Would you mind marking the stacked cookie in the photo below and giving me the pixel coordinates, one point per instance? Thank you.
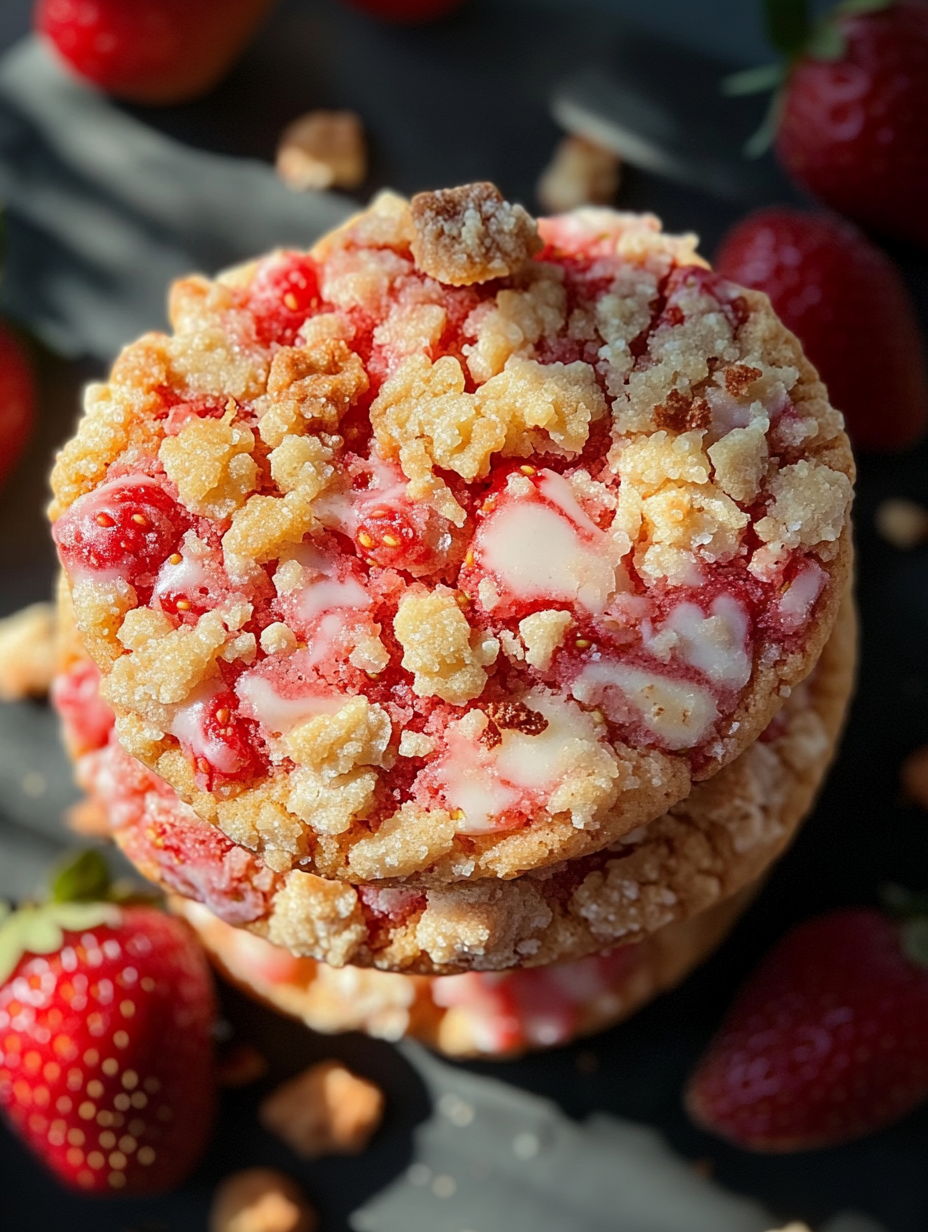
(458, 590)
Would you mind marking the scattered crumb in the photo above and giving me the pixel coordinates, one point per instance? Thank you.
(795, 1226)
(705, 1167)
(326, 1110)
(470, 234)
(27, 652)
(323, 149)
(240, 1065)
(915, 777)
(580, 173)
(88, 819)
(903, 523)
(260, 1200)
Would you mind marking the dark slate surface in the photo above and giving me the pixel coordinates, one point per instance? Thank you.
(463, 99)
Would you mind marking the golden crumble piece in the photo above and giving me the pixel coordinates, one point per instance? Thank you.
(739, 460)
(446, 656)
(262, 528)
(326, 1110)
(369, 654)
(542, 633)
(470, 234)
(810, 502)
(424, 415)
(322, 149)
(28, 652)
(409, 841)
(278, 639)
(580, 173)
(165, 668)
(313, 917)
(260, 1200)
(415, 744)
(330, 788)
(356, 735)
(515, 321)
(209, 460)
(309, 386)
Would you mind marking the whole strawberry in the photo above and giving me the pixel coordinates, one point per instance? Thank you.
(854, 124)
(848, 305)
(17, 401)
(150, 51)
(106, 1014)
(827, 1041)
(848, 119)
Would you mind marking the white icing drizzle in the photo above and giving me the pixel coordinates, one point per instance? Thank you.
(188, 726)
(716, 644)
(279, 715)
(549, 551)
(680, 714)
(796, 603)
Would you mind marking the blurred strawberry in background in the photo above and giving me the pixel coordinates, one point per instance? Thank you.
(17, 401)
(408, 10)
(850, 116)
(848, 305)
(150, 51)
(828, 1039)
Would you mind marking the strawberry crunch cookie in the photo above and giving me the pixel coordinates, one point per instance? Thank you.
(476, 1015)
(459, 546)
(704, 850)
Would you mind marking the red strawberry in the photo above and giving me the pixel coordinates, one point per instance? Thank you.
(827, 1041)
(17, 401)
(106, 1015)
(130, 526)
(150, 51)
(854, 123)
(849, 307)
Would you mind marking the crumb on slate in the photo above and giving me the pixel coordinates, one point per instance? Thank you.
(323, 149)
(470, 234)
(915, 777)
(260, 1200)
(27, 652)
(326, 1110)
(903, 523)
(580, 173)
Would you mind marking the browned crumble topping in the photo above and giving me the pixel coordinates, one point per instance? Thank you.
(682, 414)
(470, 234)
(516, 716)
(738, 377)
(323, 149)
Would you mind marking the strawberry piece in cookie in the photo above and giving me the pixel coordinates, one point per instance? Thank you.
(459, 546)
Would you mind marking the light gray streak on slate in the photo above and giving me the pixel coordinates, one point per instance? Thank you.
(102, 212)
(519, 1164)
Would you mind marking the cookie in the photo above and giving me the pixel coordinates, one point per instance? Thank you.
(458, 547)
(702, 851)
(474, 1015)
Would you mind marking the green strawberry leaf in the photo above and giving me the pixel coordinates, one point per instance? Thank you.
(826, 42)
(81, 878)
(39, 930)
(787, 24)
(901, 903)
(754, 80)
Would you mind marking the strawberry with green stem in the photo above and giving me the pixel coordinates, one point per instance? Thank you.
(848, 118)
(828, 1039)
(106, 1018)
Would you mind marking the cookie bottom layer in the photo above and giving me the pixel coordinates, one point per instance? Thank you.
(493, 1015)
